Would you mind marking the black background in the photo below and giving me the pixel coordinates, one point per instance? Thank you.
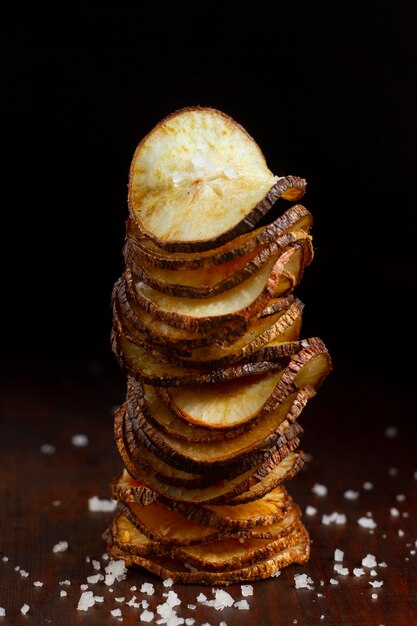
(328, 91)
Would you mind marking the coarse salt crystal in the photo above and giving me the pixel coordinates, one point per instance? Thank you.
(189, 621)
(376, 583)
(335, 518)
(368, 485)
(116, 570)
(4, 559)
(132, 602)
(374, 596)
(338, 555)
(369, 561)
(172, 598)
(276, 574)
(311, 510)
(400, 533)
(133, 588)
(61, 546)
(391, 431)
(23, 573)
(2, 612)
(96, 564)
(63, 593)
(65, 582)
(38, 583)
(319, 490)
(25, 608)
(86, 600)
(350, 494)
(201, 597)
(98, 598)
(92, 580)
(366, 522)
(247, 590)
(382, 564)
(192, 607)
(101, 505)
(47, 448)
(400, 497)
(302, 581)
(84, 587)
(120, 599)
(17, 568)
(146, 616)
(241, 605)
(333, 581)
(79, 440)
(222, 599)
(168, 582)
(358, 571)
(394, 512)
(343, 571)
(373, 572)
(148, 588)
(116, 612)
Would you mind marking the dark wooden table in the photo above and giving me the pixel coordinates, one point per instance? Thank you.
(345, 434)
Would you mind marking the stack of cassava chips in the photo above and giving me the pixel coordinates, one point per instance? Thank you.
(206, 327)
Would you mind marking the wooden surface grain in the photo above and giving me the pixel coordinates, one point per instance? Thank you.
(44, 500)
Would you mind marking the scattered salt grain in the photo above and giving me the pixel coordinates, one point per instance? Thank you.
(63, 593)
(101, 505)
(276, 574)
(350, 494)
(17, 568)
(391, 431)
(146, 616)
(120, 599)
(311, 510)
(369, 561)
(132, 602)
(38, 583)
(400, 533)
(148, 588)
(338, 555)
(366, 522)
(394, 512)
(84, 587)
(5, 559)
(221, 600)
(168, 582)
(96, 564)
(400, 497)
(382, 564)
(376, 583)
(334, 518)
(145, 604)
(93, 580)
(116, 613)
(79, 440)
(373, 572)
(358, 571)
(392, 471)
(242, 605)
(134, 588)
(2, 612)
(343, 571)
(319, 490)
(86, 600)
(23, 573)
(192, 607)
(98, 598)
(412, 552)
(47, 448)
(247, 590)
(25, 608)
(172, 599)
(302, 581)
(374, 596)
(105, 556)
(333, 581)
(115, 570)
(61, 546)
(65, 582)
(368, 486)
(189, 621)
(201, 597)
